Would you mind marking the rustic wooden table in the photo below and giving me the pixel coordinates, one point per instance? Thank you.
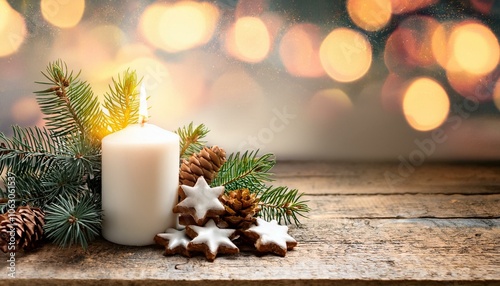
(370, 224)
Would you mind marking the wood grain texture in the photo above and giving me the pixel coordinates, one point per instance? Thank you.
(389, 178)
(339, 249)
(356, 234)
(404, 206)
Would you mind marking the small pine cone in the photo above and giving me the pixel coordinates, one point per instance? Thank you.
(26, 223)
(241, 209)
(206, 163)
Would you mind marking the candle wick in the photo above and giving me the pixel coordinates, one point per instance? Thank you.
(142, 119)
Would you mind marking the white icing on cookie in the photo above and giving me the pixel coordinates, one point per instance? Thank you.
(202, 198)
(271, 232)
(175, 238)
(212, 236)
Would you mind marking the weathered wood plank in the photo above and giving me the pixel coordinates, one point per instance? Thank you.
(368, 178)
(439, 226)
(339, 250)
(404, 206)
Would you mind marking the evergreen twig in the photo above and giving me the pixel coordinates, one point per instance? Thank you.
(69, 105)
(282, 204)
(122, 102)
(28, 190)
(30, 150)
(191, 139)
(61, 182)
(246, 170)
(59, 168)
(73, 220)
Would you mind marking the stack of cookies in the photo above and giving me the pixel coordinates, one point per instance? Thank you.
(200, 210)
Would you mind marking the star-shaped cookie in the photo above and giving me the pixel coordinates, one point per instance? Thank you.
(211, 240)
(271, 237)
(201, 201)
(175, 241)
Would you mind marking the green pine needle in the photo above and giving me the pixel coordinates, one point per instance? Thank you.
(73, 221)
(122, 101)
(28, 190)
(61, 181)
(80, 155)
(191, 139)
(59, 168)
(282, 204)
(69, 105)
(30, 150)
(246, 170)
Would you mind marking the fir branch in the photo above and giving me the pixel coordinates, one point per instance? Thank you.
(61, 181)
(82, 156)
(282, 204)
(245, 170)
(122, 102)
(28, 190)
(71, 221)
(191, 139)
(30, 150)
(69, 105)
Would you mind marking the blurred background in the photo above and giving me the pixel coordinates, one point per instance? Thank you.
(396, 80)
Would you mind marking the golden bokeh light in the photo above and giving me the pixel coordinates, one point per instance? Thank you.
(62, 14)
(370, 15)
(150, 22)
(426, 104)
(299, 51)
(346, 55)
(12, 29)
(5, 11)
(475, 48)
(180, 26)
(407, 6)
(248, 40)
(187, 24)
(328, 105)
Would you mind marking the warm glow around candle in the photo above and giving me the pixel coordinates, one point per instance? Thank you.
(143, 106)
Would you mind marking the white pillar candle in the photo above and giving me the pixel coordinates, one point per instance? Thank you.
(140, 175)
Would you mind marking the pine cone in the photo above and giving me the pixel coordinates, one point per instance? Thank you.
(241, 209)
(27, 223)
(206, 163)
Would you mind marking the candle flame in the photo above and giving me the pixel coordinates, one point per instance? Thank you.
(143, 106)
